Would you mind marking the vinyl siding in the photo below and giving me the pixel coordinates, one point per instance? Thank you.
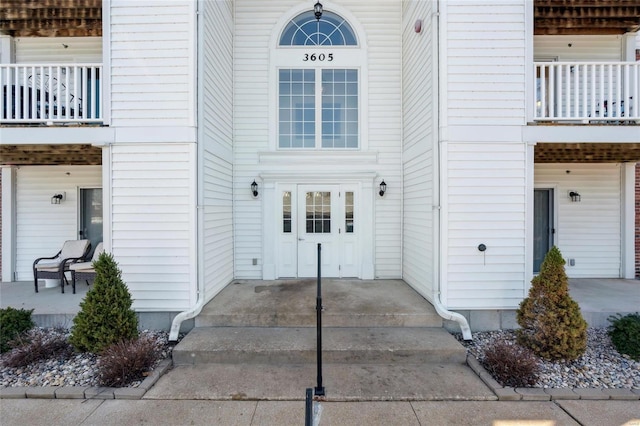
(418, 153)
(485, 60)
(152, 81)
(578, 48)
(152, 223)
(588, 231)
(216, 136)
(52, 50)
(42, 227)
(380, 21)
(485, 205)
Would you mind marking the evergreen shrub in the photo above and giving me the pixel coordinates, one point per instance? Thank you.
(105, 315)
(624, 332)
(552, 324)
(13, 322)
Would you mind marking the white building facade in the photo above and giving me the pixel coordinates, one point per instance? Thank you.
(452, 104)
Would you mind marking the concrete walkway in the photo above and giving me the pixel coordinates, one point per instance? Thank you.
(282, 413)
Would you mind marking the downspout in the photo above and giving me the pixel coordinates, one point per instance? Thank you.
(439, 70)
(200, 299)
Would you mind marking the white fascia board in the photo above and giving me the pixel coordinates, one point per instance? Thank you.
(577, 134)
(55, 135)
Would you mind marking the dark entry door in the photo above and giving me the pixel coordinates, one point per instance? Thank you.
(542, 225)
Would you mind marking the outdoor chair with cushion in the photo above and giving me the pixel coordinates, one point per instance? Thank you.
(54, 267)
(84, 270)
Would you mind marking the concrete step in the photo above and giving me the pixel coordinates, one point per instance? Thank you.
(342, 382)
(297, 345)
(292, 303)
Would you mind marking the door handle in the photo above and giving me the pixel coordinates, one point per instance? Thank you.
(300, 239)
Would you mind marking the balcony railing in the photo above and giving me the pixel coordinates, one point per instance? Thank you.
(588, 92)
(51, 93)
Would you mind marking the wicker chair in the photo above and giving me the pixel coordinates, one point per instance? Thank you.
(54, 267)
(84, 270)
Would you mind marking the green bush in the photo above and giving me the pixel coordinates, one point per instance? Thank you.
(105, 315)
(13, 322)
(552, 325)
(625, 334)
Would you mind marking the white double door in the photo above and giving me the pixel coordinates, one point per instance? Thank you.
(325, 215)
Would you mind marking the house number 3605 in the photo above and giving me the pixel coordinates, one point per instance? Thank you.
(319, 57)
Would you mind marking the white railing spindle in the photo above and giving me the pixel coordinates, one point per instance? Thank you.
(50, 93)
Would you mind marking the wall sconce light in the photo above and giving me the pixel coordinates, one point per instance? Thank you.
(575, 197)
(383, 188)
(254, 188)
(57, 198)
(317, 10)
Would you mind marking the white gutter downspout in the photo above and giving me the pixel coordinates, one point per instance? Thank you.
(200, 299)
(439, 70)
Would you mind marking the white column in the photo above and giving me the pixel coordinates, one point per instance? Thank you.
(7, 50)
(8, 223)
(267, 194)
(366, 238)
(628, 220)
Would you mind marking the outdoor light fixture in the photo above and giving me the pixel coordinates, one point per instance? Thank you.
(254, 188)
(317, 10)
(57, 198)
(383, 188)
(575, 197)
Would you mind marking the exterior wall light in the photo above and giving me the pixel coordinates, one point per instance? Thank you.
(383, 188)
(254, 188)
(575, 197)
(57, 198)
(317, 10)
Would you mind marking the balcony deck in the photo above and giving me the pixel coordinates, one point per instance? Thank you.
(51, 94)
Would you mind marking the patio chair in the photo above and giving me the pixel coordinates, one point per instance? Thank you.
(85, 270)
(54, 267)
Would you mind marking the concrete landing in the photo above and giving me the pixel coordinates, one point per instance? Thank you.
(291, 303)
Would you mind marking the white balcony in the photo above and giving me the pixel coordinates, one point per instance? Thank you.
(51, 93)
(588, 92)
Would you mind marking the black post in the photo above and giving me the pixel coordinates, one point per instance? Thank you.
(319, 391)
(308, 407)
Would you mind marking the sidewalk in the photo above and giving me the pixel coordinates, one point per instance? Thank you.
(282, 413)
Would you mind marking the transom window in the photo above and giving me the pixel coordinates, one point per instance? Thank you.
(318, 86)
(306, 30)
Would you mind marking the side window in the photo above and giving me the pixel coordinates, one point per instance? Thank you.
(286, 212)
(348, 213)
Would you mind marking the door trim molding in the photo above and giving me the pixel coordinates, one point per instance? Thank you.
(271, 211)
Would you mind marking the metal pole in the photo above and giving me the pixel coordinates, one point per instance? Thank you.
(319, 391)
(308, 407)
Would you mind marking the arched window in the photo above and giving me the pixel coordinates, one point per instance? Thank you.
(306, 30)
(318, 78)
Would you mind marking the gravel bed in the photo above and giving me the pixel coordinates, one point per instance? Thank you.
(78, 369)
(601, 366)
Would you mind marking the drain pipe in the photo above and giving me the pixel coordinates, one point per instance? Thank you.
(200, 299)
(440, 122)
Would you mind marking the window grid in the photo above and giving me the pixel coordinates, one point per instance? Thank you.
(339, 108)
(348, 213)
(297, 108)
(306, 30)
(318, 218)
(286, 212)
